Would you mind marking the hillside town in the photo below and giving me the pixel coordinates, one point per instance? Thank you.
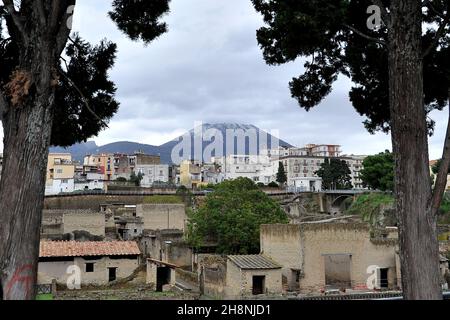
(317, 166)
(109, 171)
(117, 225)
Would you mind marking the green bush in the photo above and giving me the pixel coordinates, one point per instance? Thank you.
(231, 217)
(369, 206)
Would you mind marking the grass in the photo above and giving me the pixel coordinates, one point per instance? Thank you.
(43, 297)
(163, 199)
(368, 203)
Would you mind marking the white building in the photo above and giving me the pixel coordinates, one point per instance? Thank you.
(355, 164)
(83, 185)
(60, 186)
(300, 165)
(301, 170)
(153, 173)
(211, 173)
(257, 168)
(308, 184)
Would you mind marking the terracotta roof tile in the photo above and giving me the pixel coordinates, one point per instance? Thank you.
(85, 249)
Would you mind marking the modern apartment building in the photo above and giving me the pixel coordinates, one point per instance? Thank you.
(355, 164)
(60, 174)
(300, 170)
(323, 150)
(103, 164)
(153, 173)
(259, 169)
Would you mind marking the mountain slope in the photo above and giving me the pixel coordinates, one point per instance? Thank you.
(216, 137)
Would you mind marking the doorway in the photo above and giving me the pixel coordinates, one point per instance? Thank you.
(384, 283)
(162, 278)
(259, 283)
(112, 274)
(338, 271)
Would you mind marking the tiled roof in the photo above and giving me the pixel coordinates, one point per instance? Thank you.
(251, 262)
(85, 249)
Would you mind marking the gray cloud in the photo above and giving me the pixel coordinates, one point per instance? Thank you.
(209, 68)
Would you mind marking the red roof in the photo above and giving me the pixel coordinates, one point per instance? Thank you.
(85, 249)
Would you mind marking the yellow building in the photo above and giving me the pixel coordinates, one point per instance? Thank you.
(60, 173)
(190, 174)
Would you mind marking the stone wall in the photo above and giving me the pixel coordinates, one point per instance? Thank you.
(91, 222)
(282, 243)
(47, 271)
(167, 246)
(240, 282)
(212, 270)
(307, 245)
(91, 202)
(162, 216)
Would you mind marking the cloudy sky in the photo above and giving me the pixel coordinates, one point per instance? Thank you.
(209, 68)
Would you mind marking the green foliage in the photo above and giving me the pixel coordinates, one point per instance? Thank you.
(369, 206)
(231, 217)
(186, 195)
(209, 186)
(435, 168)
(84, 95)
(163, 199)
(378, 171)
(273, 185)
(281, 174)
(86, 70)
(335, 174)
(445, 205)
(136, 179)
(121, 179)
(139, 20)
(321, 30)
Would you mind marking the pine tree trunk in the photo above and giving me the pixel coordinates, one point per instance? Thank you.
(26, 141)
(27, 130)
(419, 249)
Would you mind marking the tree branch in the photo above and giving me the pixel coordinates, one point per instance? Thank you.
(438, 36)
(439, 33)
(432, 8)
(85, 101)
(441, 180)
(9, 5)
(362, 34)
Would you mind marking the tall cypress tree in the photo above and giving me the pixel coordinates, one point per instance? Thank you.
(281, 174)
(50, 98)
(398, 57)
